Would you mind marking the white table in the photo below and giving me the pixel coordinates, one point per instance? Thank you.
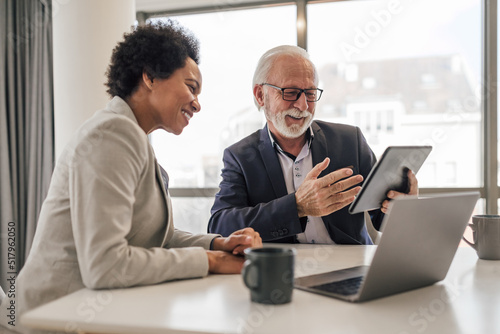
(467, 301)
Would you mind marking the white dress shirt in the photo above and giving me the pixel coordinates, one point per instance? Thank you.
(294, 172)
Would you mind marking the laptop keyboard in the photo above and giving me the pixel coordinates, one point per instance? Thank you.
(345, 287)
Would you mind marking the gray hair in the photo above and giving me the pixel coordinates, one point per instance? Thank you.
(266, 62)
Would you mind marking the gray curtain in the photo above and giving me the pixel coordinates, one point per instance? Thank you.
(26, 125)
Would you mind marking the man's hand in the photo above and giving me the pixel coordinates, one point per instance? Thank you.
(320, 197)
(238, 241)
(413, 183)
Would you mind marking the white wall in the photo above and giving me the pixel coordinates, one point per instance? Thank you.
(85, 33)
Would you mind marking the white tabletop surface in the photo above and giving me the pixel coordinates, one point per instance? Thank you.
(467, 301)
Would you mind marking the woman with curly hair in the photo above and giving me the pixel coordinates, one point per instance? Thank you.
(107, 218)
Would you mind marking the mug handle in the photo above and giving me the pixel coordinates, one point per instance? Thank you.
(468, 242)
(250, 273)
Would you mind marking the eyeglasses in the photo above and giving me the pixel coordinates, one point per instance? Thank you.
(293, 94)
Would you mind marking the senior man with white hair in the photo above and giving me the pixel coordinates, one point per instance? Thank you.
(290, 181)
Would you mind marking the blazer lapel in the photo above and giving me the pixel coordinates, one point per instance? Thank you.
(162, 179)
(319, 149)
(271, 161)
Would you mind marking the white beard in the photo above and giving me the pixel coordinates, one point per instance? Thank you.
(295, 130)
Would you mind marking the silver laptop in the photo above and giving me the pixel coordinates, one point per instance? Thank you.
(419, 240)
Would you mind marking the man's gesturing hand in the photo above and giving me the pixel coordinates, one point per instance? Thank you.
(320, 197)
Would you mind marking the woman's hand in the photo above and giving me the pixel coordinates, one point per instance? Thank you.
(220, 262)
(238, 241)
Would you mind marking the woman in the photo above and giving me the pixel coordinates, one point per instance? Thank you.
(107, 218)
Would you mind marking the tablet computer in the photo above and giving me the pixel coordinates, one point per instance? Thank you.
(389, 173)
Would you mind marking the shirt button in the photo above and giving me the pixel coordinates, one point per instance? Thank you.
(313, 241)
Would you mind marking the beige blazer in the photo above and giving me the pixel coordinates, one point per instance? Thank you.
(107, 219)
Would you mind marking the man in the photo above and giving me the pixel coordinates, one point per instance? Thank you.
(289, 181)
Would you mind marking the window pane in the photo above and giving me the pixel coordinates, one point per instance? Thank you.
(191, 214)
(231, 44)
(407, 73)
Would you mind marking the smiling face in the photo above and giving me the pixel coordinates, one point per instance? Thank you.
(288, 119)
(173, 101)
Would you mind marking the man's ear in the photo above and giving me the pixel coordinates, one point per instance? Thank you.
(258, 92)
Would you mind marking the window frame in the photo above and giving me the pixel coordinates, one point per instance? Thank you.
(489, 189)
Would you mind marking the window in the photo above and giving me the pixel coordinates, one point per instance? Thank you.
(396, 67)
(405, 72)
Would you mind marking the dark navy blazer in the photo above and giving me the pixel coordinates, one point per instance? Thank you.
(253, 191)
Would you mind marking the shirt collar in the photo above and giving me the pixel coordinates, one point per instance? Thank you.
(309, 139)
